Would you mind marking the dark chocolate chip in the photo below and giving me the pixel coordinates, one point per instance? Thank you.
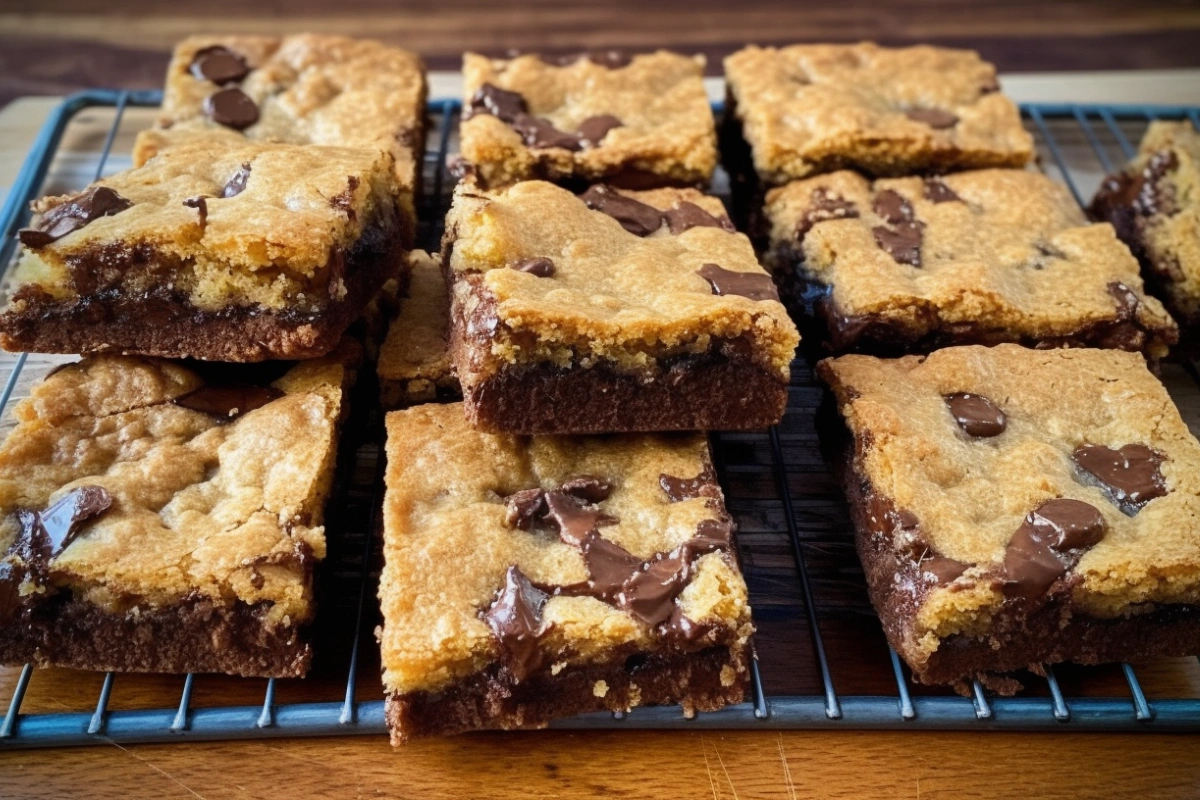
(824, 206)
(524, 508)
(228, 402)
(609, 566)
(515, 618)
(754, 285)
(685, 216)
(500, 103)
(893, 207)
(232, 108)
(1030, 566)
(237, 183)
(593, 129)
(541, 133)
(935, 118)
(976, 415)
(649, 594)
(219, 65)
(1040, 552)
(1130, 475)
(936, 191)
(636, 217)
(1066, 524)
(680, 489)
(344, 200)
(542, 267)
(941, 570)
(75, 213)
(587, 488)
(60, 522)
(575, 519)
(903, 242)
(201, 205)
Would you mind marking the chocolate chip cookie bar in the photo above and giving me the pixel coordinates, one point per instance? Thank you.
(913, 264)
(232, 251)
(1154, 204)
(807, 109)
(633, 121)
(302, 89)
(414, 362)
(611, 312)
(1018, 507)
(528, 579)
(156, 517)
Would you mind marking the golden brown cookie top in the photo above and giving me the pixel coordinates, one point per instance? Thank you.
(416, 347)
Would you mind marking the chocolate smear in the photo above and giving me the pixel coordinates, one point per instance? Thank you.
(754, 285)
(609, 566)
(685, 216)
(237, 183)
(524, 508)
(232, 108)
(680, 489)
(893, 207)
(933, 117)
(542, 267)
(218, 64)
(500, 103)
(75, 213)
(540, 133)
(201, 205)
(1130, 475)
(902, 243)
(824, 206)
(575, 520)
(593, 129)
(636, 217)
(515, 617)
(587, 488)
(1048, 543)
(977, 415)
(936, 191)
(228, 402)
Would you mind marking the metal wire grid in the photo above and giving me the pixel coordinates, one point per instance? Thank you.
(828, 709)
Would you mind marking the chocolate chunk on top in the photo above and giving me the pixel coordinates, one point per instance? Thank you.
(515, 618)
(237, 182)
(902, 242)
(574, 518)
(685, 216)
(232, 108)
(77, 212)
(1130, 475)
(977, 415)
(501, 103)
(1039, 552)
(936, 191)
(60, 522)
(893, 207)
(941, 570)
(524, 508)
(587, 488)
(935, 118)
(218, 64)
(228, 402)
(593, 129)
(754, 285)
(680, 489)
(824, 205)
(635, 216)
(541, 266)
(541, 133)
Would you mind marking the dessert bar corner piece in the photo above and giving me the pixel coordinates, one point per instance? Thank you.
(217, 250)
(908, 265)
(611, 312)
(806, 109)
(414, 362)
(1154, 204)
(532, 578)
(1016, 508)
(636, 121)
(182, 533)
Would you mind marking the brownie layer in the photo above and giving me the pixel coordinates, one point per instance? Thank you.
(493, 699)
(164, 323)
(194, 635)
(713, 391)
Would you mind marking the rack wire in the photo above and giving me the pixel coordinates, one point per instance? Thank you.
(816, 629)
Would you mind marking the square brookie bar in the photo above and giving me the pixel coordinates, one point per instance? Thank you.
(302, 89)
(611, 312)
(1017, 507)
(528, 579)
(214, 249)
(635, 121)
(1154, 204)
(414, 361)
(156, 517)
(913, 264)
(886, 111)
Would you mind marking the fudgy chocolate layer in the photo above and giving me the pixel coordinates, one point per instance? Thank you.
(163, 323)
(194, 635)
(492, 699)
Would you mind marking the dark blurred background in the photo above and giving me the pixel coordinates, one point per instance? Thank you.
(56, 46)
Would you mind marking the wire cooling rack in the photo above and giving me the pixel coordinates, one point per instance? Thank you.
(822, 661)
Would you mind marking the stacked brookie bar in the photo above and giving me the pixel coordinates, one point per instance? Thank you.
(558, 543)
(167, 515)
(1020, 504)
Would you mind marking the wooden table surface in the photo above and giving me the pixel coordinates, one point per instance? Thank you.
(684, 764)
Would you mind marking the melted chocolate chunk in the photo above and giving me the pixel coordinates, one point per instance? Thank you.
(219, 65)
(1030, 566)
(1047, 544)
(524, 508)
(344, 200)
(60, 522)
(75, 213)
(680, 489)
(941, 570)
(228, 402)
(936, 191)
(541, 133)
(1127, 301)
(542, 267)
(1066, 524)
(935, 118)
(593, 129)
(649, 594)
(893, 207)
(685, 216)
(574, 519)
(237, 183)
(587, 488)
(609, 566)
(824, 206)
(500, 103)
(711, 534)
(754, 285)
(636, 217)
(903, 242)
(1130, 475)
(232, 108)
(977, 415)
(201, 205)
(515, 617)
